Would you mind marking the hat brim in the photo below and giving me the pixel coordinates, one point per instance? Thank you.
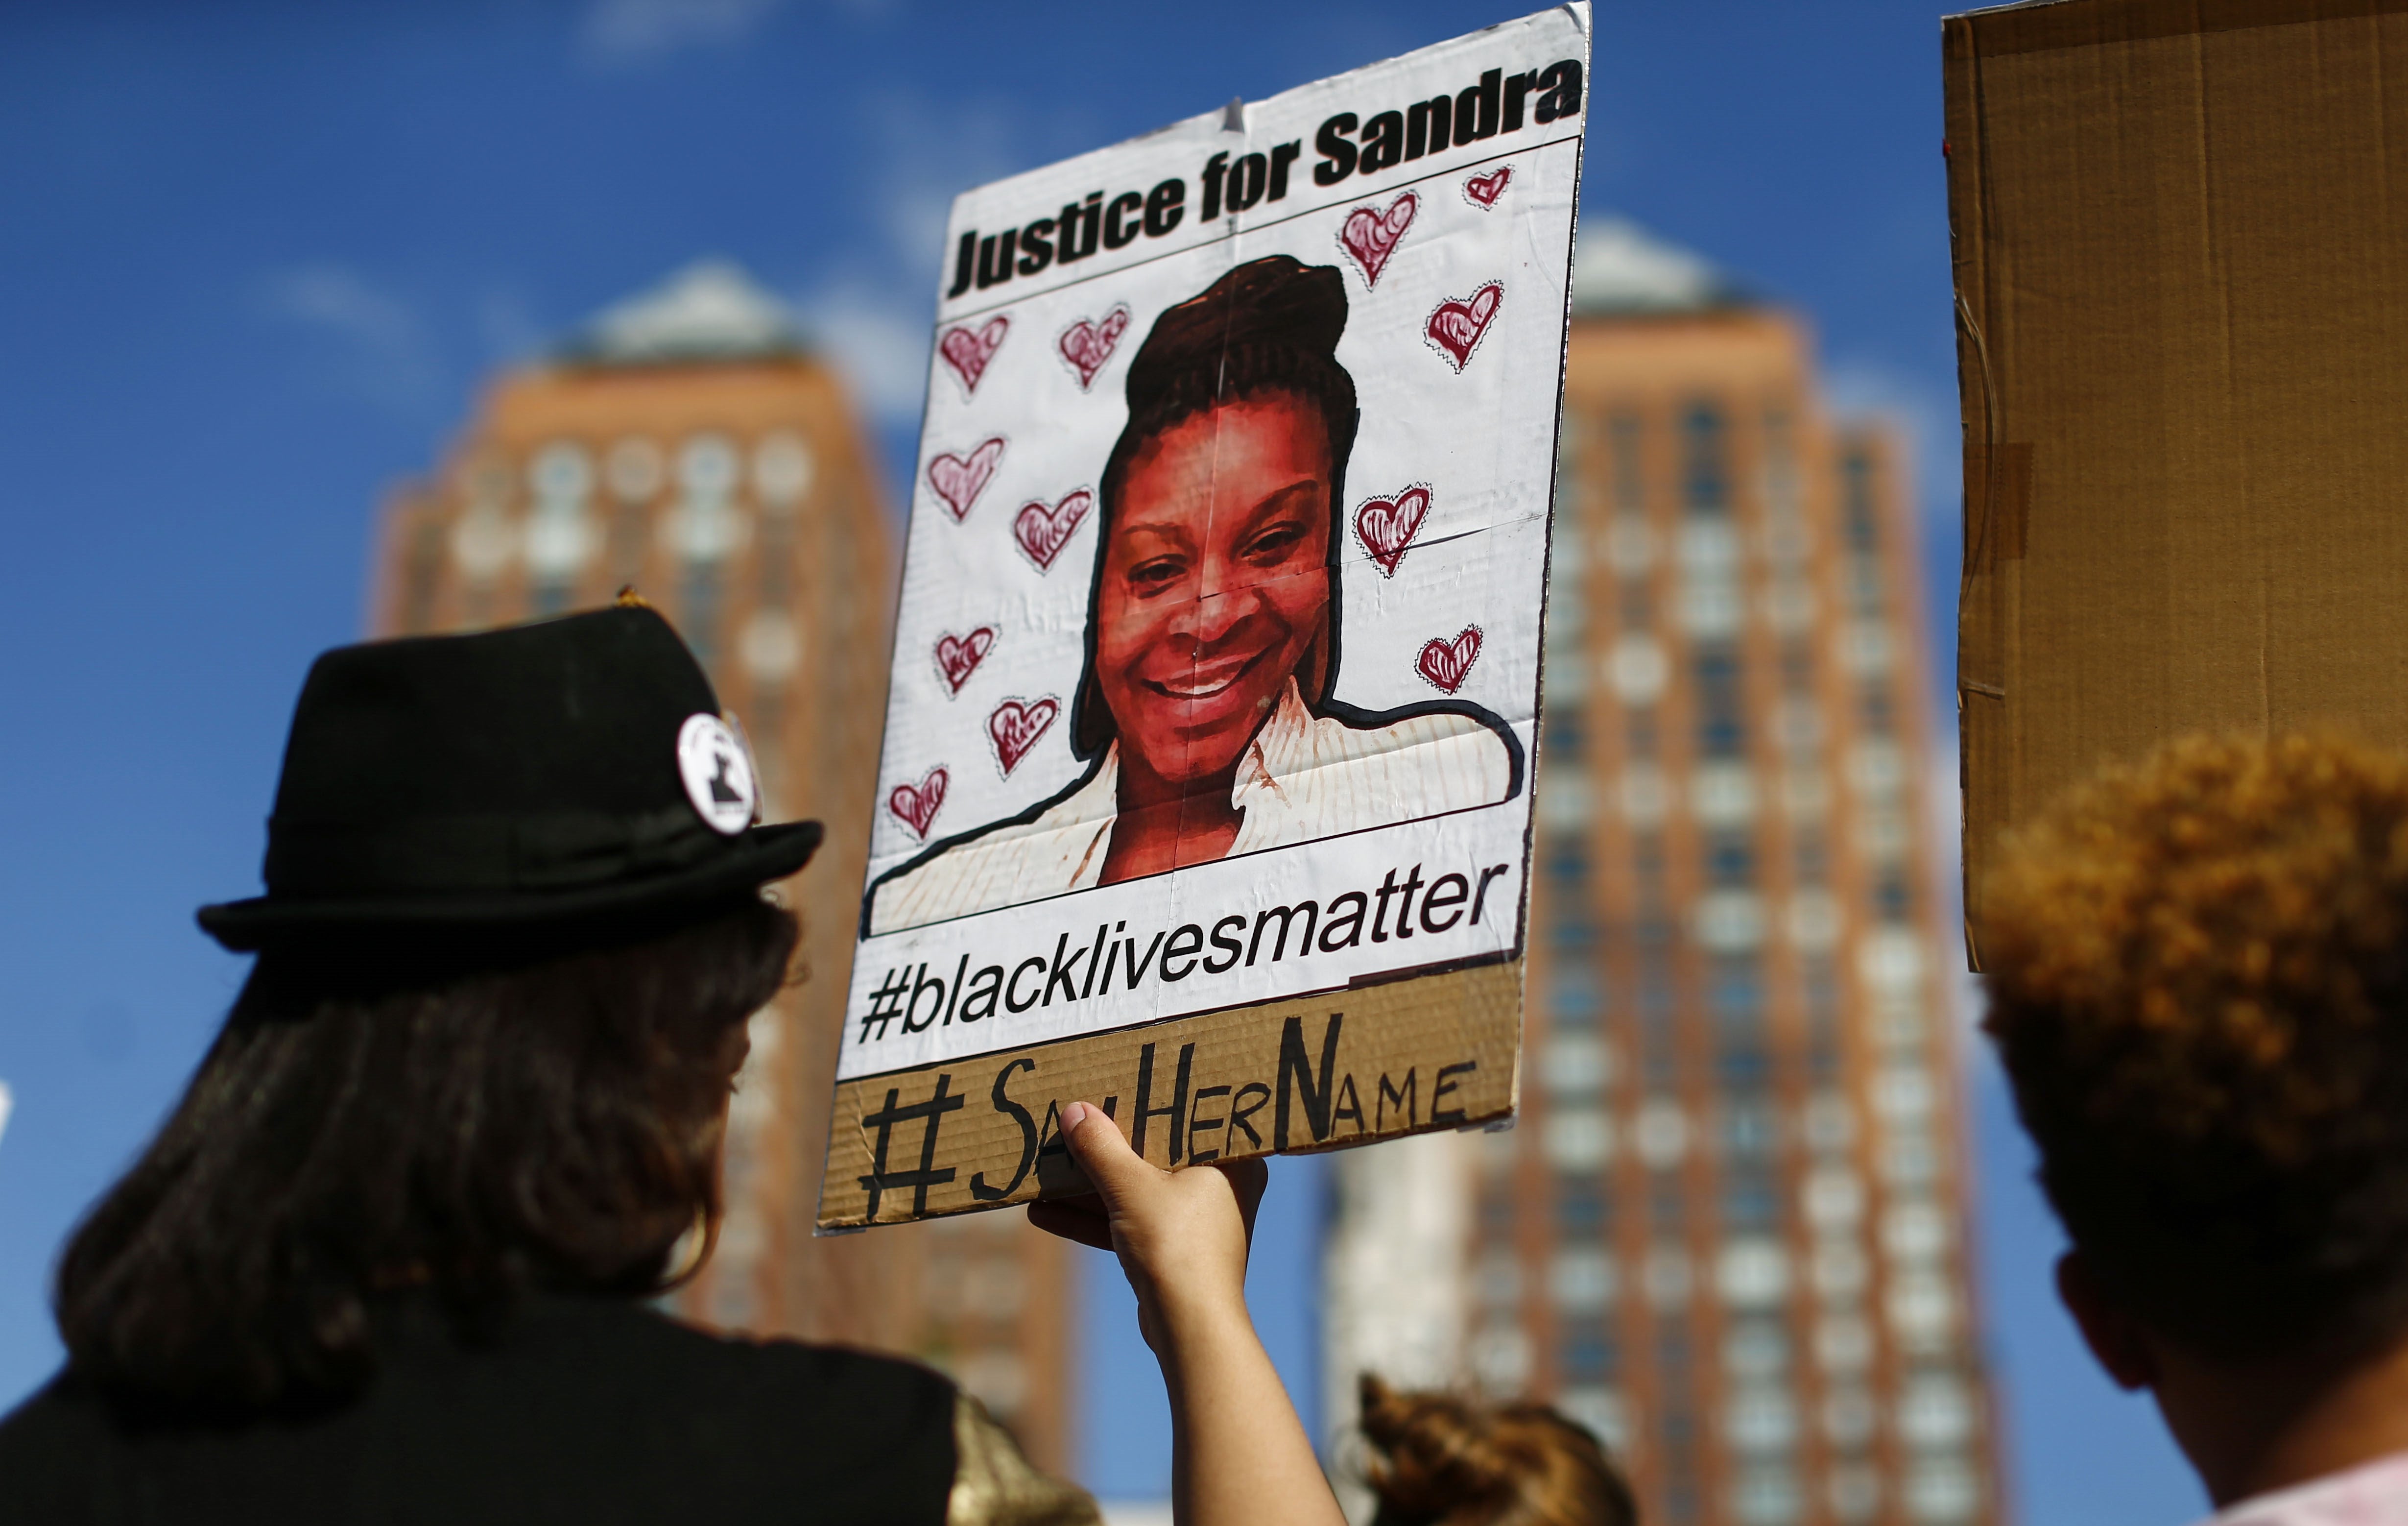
(757, 857)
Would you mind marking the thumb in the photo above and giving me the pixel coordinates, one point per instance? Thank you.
(1095, 1143)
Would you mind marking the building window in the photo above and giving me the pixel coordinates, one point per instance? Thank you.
(1943, 1490)
(1750, 1202)
(418, 581)
(1588, 1354)
(1573, 931)
(1629, 470)
(1855, 1492)
(1749, 1127)
(1755, 1348)
(1568, 860)
(777, 562)
(1856, 498)
(1581, 1207)
(1875, 709)
(1672, 1362)
(1574, 996)
(1638, 606)
(1576, 1139)
(1575, 1065)
(1892, 901)
(1768, 1496)
(1721, 720)
(1567, 734)
(1735, 990)
(1705, 468)
(699, 610)
(1730, 860)
(1742, 1065)
(1582, 1280)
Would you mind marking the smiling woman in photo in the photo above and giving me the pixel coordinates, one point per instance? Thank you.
(1212, 629)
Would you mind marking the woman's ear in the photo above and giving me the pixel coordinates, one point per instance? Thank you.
(2113, 1336)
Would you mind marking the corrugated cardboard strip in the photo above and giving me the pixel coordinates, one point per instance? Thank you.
(1437, 1052)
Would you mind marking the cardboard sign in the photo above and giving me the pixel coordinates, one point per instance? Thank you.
(1205, 787)
(2181, 322)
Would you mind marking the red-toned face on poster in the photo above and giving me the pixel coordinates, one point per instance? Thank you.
(1215, 582)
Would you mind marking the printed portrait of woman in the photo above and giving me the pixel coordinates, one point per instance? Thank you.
(1213, 629)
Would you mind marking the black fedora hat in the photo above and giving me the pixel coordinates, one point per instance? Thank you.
(575, 770)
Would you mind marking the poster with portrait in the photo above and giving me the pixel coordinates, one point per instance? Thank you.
(1206, 789)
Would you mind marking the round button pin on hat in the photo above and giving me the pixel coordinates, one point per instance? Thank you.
(717, 769)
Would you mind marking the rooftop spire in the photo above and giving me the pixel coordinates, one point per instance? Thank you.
(712, 310)
(1622, 270)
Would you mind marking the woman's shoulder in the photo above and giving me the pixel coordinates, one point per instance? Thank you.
(613, 1344)
(1439, 758)
(571, 1408)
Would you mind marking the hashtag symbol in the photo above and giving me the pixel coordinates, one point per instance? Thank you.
(886, 1003)
(882, 1178)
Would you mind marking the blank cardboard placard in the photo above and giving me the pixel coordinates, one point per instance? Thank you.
(2182, 310)
(1216, 673)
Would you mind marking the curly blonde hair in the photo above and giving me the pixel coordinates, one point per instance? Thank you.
(2198, 972)
(1440, 1461)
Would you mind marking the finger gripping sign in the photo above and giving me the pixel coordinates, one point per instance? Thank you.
(1244, 619)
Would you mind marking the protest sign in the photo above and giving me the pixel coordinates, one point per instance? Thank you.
(1206, 785)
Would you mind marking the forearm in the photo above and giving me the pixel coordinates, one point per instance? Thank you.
(1240, 1457)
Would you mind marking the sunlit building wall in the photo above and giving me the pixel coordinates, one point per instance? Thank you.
(1729, 1229)
(687, 444)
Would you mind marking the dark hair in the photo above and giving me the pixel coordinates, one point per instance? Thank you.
(1270, 325)
(427, 1119)
(2198, 972)
(1445, 1461)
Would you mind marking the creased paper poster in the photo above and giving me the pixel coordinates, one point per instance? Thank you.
(1206, 785)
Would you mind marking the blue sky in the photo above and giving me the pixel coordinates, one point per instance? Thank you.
(256, 260)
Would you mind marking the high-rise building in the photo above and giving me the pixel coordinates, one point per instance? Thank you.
(688, 444)
(1729, 1231)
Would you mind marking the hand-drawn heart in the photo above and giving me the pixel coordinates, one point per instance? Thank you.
(1016, 725)
(967, 350)
(1388, 525)
(1043, 532)
(1370, 235)
(959, 657)
(915, 805)
(960, 478)
(1458, 322)
(1482, 191)
(1086, 346)
(1446, 664)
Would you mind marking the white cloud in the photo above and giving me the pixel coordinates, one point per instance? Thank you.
(383, 348)
(8, 1103)
(627, 33)
(877, 336)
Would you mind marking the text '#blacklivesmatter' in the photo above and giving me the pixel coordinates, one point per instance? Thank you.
(912, 998)
(1347, 144)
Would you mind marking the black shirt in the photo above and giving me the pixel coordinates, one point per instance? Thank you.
(582, 1410)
